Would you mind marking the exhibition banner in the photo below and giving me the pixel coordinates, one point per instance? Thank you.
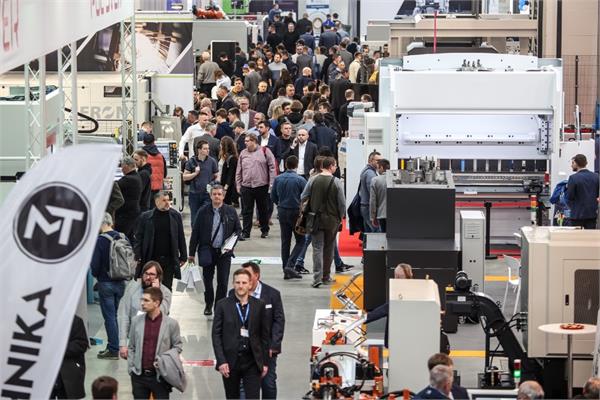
(32, 28)
(50, 222)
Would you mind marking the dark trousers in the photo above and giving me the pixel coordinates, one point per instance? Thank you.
(197, 200)
(168, 266)
(206, 88)
(143, 385)
(222, 265)
(249, 196)
(589, 223)
(382, 224)
(245, 372)
(287, 222)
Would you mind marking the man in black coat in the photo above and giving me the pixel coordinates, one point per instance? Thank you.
(343, 113)
(70, 382)
(276, 321)
(261, 100)
(131, 188)
(240, 338)
(145, 171)
(308, 150)
(225, 99)
(160, 238)
(223, 221)
(323, 136)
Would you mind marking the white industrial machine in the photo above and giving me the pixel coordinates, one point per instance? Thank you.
(560, 278)
(98, 96)
(494, 120)
(414, 331)
(472, 245)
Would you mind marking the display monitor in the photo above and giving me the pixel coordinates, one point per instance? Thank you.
(476, 394)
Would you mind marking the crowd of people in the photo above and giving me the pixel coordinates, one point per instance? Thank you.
(264, 133)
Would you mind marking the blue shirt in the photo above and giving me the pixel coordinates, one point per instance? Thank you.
(287, 189)
(218, 241)
(208, 168)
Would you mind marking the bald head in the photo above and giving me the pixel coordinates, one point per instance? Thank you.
(530, 390)
(591, 390)
(403, 271)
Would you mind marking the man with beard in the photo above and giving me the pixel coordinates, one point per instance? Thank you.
(160, 238)
(130, 304)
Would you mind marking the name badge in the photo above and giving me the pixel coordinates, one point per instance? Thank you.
(244, 332)
(269, 306)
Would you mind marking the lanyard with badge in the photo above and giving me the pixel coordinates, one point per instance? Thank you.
(243, 330)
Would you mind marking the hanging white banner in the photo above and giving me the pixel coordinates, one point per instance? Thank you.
(33, 28)
(50, 222)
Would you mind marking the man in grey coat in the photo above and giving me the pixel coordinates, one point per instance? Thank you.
(131, 302)
(151, 335)
(378, 196)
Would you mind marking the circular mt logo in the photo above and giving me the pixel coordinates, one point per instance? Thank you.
(52, 223)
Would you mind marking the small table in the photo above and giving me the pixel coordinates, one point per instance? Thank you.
(555, 329)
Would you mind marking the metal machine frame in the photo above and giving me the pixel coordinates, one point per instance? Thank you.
(495, 120)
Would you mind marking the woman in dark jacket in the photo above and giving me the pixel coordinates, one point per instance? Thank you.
(264, 71)
(284, 80)
(229, 157)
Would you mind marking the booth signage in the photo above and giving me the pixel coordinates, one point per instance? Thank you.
(50, 219)
(45, 26)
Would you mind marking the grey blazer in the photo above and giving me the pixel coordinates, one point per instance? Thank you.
(377, 197)
(130, 306)
(168, 338)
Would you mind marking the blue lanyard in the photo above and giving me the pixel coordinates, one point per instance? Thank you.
(239, 310)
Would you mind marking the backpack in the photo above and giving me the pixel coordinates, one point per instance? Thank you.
(122, 261)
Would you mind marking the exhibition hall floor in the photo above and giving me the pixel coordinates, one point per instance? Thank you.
(300, 301)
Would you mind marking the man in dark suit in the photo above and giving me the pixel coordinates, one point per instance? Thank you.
(241, 338)
(458, 392)
(582, 194)
(131, 187)
(276, 322)
(70, 382)
(323, 136)
(306, 151)
(160, 238)
(440, 384)
(224, 222)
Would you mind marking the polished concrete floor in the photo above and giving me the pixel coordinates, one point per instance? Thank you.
(300, 301)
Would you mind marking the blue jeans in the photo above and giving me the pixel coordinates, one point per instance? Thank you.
(197, 200)
(287, 221)
(110, 293)
(365, 213)
(337, 260)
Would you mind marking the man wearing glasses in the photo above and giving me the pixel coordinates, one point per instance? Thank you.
(246, 114)
(131, 305)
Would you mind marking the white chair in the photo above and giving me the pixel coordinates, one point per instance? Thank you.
(513, 267)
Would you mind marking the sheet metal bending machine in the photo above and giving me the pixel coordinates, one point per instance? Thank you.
(496, 125)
